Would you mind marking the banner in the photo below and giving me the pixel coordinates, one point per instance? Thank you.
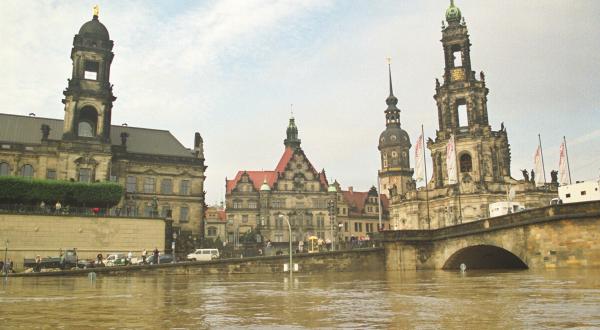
(419, 159)
(538, 168)
(563, 171)
(451, 161)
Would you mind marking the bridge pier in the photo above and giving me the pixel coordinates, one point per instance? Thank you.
(550, 237)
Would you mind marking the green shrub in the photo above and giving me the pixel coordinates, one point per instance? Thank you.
(18, 190)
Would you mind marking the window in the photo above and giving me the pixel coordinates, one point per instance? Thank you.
(148, 211)
(252, 204)
(85, 129)
(237, 204)
(185, 187)
(212, 231)
(91, 70)
(456, 57)
(279, 222)
(385, 160)
(583, 193)
(51, 174)
(465, 163)
(183, 214)
(346, 226)
(27, 171)
(131, 184)
(149, 185)
(278, 237)
(320, 221)
(357, 226)
(4, 169)
(245, 218)
(166, 186)
(85, 175)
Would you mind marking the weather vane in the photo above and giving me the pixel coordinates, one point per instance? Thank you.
(292, 109)
(389, 60)
(96, 10)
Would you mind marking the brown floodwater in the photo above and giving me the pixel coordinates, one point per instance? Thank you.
(422, 300)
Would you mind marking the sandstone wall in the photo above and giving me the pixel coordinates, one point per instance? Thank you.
(45, 235)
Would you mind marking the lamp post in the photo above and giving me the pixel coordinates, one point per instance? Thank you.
(290, 239)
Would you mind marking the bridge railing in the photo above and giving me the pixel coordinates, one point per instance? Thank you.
(504, 221)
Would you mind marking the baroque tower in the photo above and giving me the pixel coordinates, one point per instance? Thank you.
(395, 175)
(292, 140)
(483, 155)
(88, 97)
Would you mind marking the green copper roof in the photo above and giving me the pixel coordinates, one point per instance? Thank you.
(453, 13)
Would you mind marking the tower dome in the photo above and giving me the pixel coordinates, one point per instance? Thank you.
(265, 186)
(453, 13)
(94, 30)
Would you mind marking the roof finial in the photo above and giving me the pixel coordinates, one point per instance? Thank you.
(292, 110)
(451, 2)
(96, 10)
(389, 60)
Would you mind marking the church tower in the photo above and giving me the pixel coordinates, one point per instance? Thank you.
(88, 97)
(395, 175)
(483, 155)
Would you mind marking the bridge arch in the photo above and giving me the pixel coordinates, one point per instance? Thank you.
(484, 257)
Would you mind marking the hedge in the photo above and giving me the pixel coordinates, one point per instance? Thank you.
(19, 190)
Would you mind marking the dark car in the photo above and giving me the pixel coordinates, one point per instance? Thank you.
(163, 259)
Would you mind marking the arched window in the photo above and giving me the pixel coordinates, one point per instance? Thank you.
(465, 163)
(27, 171)
(88, 118)
(4, 169)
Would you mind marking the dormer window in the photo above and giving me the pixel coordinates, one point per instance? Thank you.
(91, 70)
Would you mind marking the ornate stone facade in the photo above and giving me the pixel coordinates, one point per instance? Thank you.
(482, 154)
(161, 177)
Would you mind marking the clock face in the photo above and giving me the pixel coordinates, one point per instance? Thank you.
(393, 138)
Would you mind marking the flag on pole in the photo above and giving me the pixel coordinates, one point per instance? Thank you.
(419, 158)
(451, 161)
(539, 167)
(562, 165)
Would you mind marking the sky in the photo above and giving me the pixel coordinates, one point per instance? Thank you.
(232, 69)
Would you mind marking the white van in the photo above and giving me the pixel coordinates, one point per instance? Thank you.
(203, 255)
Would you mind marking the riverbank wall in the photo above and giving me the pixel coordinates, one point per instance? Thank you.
(335, 261)
(45, 235)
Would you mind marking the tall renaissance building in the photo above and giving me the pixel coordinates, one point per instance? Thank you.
(159, 174)
(481, 154)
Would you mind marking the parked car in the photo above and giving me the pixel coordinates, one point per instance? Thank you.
(117, 259)
(163, 259)
(203, 255)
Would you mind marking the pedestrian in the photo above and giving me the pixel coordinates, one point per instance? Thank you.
(57, 207)
(43, 207)
(144, 255)
(129, 257)
(99, 262)
(38, 264)
(156, 255)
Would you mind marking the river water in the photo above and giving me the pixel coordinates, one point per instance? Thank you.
(421, 300)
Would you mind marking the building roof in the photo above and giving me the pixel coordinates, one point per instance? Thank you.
(94, 29)
(258, 177)
(27, 130)
(356, 201)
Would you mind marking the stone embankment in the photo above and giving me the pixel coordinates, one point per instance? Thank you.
(336, 261)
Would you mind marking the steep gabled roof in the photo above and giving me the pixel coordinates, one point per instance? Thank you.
(356, 201)
(257, 177)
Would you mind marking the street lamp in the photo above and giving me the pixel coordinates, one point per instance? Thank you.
(290, 239)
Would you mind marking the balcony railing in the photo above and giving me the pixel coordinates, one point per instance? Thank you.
(74, 211)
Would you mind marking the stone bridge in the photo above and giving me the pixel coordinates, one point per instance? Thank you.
(550, 237)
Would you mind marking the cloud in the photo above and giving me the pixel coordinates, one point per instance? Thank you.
(230, 69)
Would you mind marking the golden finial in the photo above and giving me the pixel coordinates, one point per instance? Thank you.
(96, 10)
(389, 60)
